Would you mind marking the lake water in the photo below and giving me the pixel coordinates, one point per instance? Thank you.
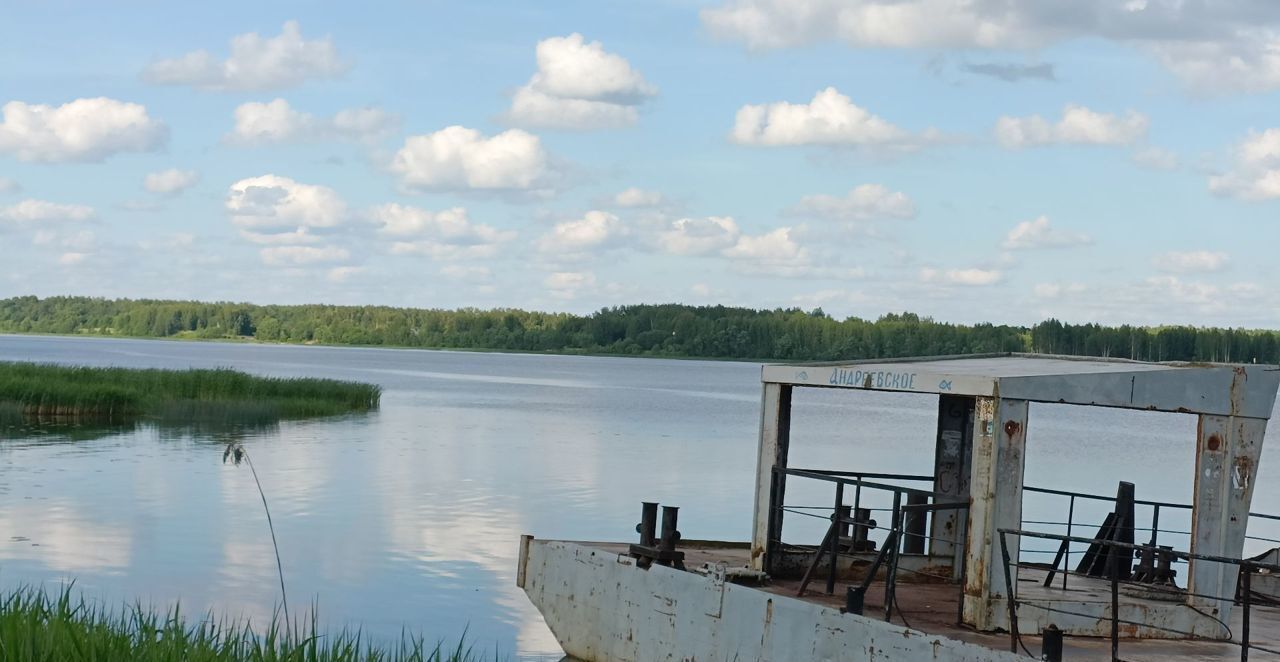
(409, 517)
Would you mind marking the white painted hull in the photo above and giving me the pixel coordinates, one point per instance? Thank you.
(602, 607)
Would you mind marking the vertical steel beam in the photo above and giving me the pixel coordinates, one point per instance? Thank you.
(1227, 452)
(775, 438)
(951, 472)
(1000, 428)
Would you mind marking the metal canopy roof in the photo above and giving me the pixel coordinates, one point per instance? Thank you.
(1197, 388)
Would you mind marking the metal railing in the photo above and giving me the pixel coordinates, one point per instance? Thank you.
(1152, 528)
(1120, 550)
(908, 527)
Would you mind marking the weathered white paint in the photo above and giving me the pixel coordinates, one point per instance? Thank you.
(775, 433)
(904, 378)
(1227, 453)
(999, 441)
(1223, 390)
(1168, 620)
(601, 606)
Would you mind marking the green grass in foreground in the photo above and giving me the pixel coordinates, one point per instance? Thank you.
(37, 627)
(44, 390)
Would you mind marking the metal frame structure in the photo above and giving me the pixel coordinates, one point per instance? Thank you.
(982, 426)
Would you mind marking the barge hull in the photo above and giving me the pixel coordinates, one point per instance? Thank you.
(602, 607)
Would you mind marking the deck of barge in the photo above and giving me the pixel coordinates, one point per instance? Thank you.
(933, 609)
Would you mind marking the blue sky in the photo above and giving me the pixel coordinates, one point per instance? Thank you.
(973, 161)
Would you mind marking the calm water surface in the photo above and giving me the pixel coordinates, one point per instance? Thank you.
(409, 517)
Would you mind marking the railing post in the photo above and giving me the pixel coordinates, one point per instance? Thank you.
(914, 521)
(836, 527)
(890, 578)
(1009, 585)
(1248, 598)
(1071, 515)
(1114, 559)
(1155, 523)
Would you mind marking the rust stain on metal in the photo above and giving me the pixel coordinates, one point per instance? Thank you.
(1238, 382)
(1011, 428)
(1242, 474)
(1214, 442)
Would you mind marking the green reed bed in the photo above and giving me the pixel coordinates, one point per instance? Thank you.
(37, 627)
(43, 390)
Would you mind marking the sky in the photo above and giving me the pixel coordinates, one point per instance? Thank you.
(969, 160)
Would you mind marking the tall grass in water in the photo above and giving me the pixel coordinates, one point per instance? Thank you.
(189, 395)
(236, 453)
(36, 627)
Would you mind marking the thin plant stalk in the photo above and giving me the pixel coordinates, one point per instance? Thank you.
(238, 452)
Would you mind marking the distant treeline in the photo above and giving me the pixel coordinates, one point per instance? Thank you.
(660, 330)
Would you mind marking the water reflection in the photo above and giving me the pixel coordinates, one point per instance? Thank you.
(56, 534)
(409, 517)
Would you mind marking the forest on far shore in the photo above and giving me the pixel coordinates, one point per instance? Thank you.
(672, 330)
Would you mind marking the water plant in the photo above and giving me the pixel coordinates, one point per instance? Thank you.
(236, 453)
(55, 391)
(38, 627)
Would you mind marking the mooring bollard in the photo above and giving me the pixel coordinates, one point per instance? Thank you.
(670, 535)
(648, 525)
(853, 600)
(653, 548)
(1051, 646)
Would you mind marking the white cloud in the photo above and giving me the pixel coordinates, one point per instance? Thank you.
(1057, 290)
(83, 241)
(967, 277)
(1256, 172)
(596, 230)
(443, 251)
(579, 85)
(85, 130)
(1208, 45)
(1183, 262)
(276, 122)
(467, 273)
(273, 203)
(864, 203)
(830, 118)
(568, 284)
(178, 241)
(9, 186)
(255, 63)
(699, 236)
(1078, 126)
(1038, 233)
(293, 256)
(775, 246)
(447, 234)
(71, 259)
(1246, 61)
(1156, 158)
(1159, 300)
(343, 274)
(43, 211)
(456, 158)
(301, 235)
(637, 197)
(171, 181)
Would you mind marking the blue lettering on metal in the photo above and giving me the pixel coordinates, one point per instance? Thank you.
(898, 381)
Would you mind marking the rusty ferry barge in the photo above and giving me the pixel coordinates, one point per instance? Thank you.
(945, 569)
